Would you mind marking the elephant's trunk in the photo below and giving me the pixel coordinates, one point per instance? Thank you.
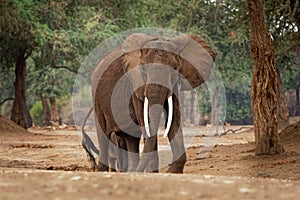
(155, 114)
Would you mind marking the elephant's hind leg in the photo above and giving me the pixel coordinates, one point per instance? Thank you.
(103, 146)
(132, 144)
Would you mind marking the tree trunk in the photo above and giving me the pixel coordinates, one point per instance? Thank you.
(28, 118)
(298, 99)
(264, 84)
(54, 111)
(18, 112)
(282, 111)
(181, 103)
(46, 110)
(192, 114)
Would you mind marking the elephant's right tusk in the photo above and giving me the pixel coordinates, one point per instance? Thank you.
(146, 121)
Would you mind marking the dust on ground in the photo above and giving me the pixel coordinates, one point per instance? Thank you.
(52, 165)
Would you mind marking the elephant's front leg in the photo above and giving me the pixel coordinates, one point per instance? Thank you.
(176, 140)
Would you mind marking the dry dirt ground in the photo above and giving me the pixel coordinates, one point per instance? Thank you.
(45, 164)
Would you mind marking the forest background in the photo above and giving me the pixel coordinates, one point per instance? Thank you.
(43, 43)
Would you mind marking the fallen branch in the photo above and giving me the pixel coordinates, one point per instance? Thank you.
(234, 131)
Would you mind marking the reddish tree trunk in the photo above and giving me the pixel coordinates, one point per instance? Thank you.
(192, 114)
(298, 99)
(181, 103)
(264, 84)
(18, 112)
(282, 111)
(46, 110)
(54, 111)
(28, 118)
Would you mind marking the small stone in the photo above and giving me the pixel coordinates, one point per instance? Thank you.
(228, 182)
(107, 175)
(244, 190)
(75, 178)
(198, 181)
(183, 193)
(208, 176)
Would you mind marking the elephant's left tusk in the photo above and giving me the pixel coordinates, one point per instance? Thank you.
(170, 116)
(146, 121)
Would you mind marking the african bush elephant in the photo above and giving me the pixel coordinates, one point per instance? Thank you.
(133, 84)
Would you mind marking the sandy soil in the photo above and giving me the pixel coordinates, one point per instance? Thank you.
(46, 164)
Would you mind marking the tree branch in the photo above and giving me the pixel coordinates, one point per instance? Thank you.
(68, 68)
(7, 99)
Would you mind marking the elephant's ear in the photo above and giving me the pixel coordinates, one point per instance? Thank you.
(197, 60)
(132, 49)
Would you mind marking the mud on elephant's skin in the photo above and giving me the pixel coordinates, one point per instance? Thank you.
(152, 70)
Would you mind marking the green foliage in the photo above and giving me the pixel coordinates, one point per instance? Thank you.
(59, 34)
(203, 99)
(238, 105)
(51, 82)
(36, 113)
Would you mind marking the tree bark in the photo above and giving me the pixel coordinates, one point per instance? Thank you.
(264, 84)
(298, 99)
(28, 118)
(46, 110)
(54, 111)
(18, 112)
(282, 111)
(181, 103)
(192, 114)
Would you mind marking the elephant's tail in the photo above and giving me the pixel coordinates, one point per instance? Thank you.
(88, 144)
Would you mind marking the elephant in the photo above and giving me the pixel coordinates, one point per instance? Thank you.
(138, 81)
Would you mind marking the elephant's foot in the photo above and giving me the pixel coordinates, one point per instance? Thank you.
(102, 167)
(178, 165)
(148, 162)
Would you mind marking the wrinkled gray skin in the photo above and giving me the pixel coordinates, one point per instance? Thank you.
(132, 62)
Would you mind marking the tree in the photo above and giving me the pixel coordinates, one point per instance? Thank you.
(55, 34)
(46, 110)
(182, 110)
(192, 114)
(264, 83)
(22, 32)
(282, 111)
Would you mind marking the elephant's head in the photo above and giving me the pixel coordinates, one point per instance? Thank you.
(157, 65)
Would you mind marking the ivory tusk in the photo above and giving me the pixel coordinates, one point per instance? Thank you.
(146, 121)
(170, 116)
